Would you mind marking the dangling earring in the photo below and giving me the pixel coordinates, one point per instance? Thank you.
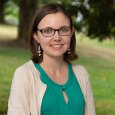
(69, 51)
(39, 51)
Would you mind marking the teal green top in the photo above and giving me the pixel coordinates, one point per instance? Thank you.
(53, 102)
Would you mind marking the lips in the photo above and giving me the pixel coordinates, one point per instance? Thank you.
(56, 45)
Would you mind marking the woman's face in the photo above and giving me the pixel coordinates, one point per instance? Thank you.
(54, 44)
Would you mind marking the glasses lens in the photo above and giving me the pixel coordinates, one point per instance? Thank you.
(48, 32)
(64, 31)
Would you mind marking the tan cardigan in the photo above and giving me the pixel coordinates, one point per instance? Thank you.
(27, 90)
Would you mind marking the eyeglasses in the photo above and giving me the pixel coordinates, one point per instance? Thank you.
(49, 31)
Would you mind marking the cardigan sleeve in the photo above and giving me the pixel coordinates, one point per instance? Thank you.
(84, 82)
(18, 103)
(89, 108)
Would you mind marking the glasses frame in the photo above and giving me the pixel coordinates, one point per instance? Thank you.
(58, 30)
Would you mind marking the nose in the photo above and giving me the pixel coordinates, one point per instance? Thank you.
(57, 36)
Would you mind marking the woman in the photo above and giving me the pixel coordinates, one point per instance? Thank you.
(49, 84)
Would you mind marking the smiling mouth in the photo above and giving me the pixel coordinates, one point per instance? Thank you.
(57, 45)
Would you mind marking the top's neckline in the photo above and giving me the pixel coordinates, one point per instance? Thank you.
(47, 80)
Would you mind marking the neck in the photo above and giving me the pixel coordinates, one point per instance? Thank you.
(53, 64)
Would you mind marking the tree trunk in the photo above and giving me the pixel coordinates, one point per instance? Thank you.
(26, 12)
(2, 11)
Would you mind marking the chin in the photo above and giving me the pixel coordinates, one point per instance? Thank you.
(59, 55)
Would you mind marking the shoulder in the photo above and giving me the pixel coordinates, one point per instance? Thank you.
(81, 68)
(21, 72)
(82, 76)
(24, 72)
(80, 72)
(25, 68)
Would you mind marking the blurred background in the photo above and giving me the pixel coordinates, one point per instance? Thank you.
(94, 21)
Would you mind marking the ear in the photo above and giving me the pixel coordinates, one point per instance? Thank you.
(72, 31)
(35, 36)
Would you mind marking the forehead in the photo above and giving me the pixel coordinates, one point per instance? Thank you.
(55, 20)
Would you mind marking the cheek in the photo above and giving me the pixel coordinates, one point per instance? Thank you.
(44, 44)
(42, 40)
(68, 41)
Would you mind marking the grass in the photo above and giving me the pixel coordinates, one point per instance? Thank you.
(102, 76)
(99, 59)
(10, 59)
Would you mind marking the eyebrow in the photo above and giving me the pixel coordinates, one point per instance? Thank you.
(55, 28)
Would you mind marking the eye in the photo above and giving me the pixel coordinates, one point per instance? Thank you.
(47, 30)
(64, 29)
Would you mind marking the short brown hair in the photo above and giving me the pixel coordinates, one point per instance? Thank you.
(40, 14)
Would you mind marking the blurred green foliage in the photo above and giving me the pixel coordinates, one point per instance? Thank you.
(96, 17)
